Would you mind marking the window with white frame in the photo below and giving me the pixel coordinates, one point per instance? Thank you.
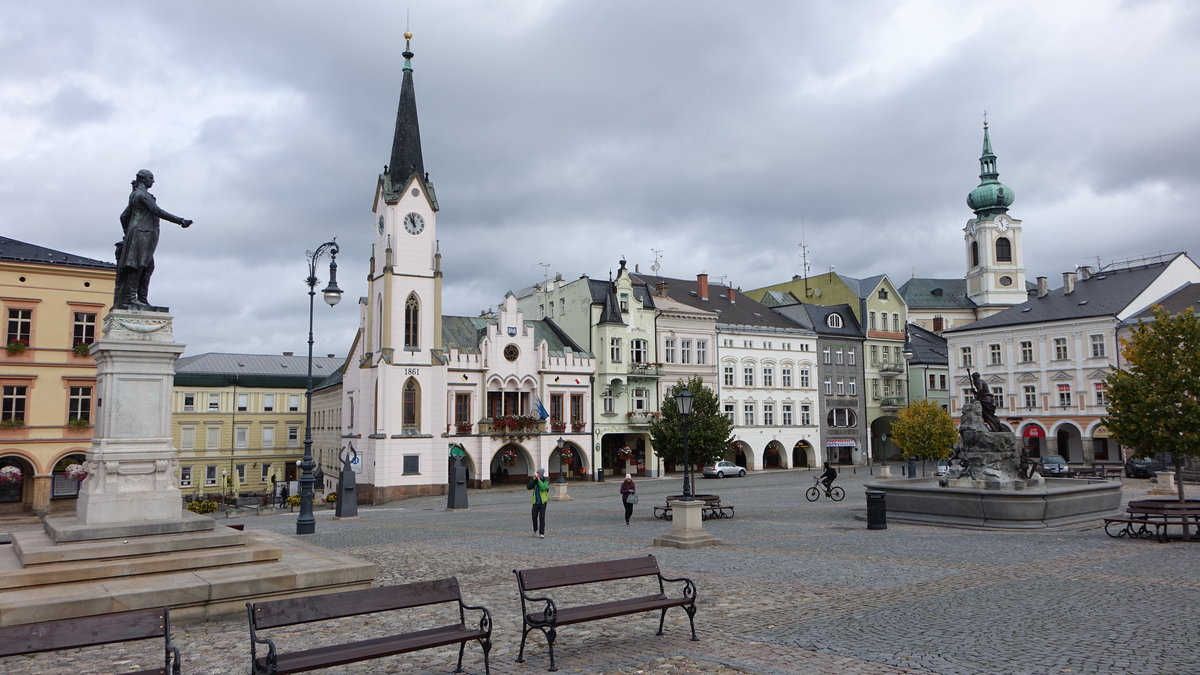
(607, 401)
(966, 357)
(685, 352)
(968, 395)
(640, 396)
(701, 352)
(768, 414)
(729, 409)
(841, 417)
(785, 411)
(210, 476)
(871, 320)
(1097, 346)
(241, 437)
(212, 437)
(785, 377)
(268, 402)
(875, 388)
(834, 320)
(895, 323)
(214, 401)
(828, 386)
(806, 414)
(241, 473)
(728, 374)
(639, 351)
(748, 376)
(293, 402)
(293, 436)
(998, 395)
(841, 387)
(826, 355)
(1060, 348)
(20, 325)
(852, 386)
(185, 476)
(850, 359)
(805, 378)
(79, 404)
(748, 414)
(874, 355)
(838, 357)
(83, 329)
(994, 354)
(669, 348)
(768, 376)
(614, 349)
(1064, 395)
(1026, 351)
(1101, 393)
(1029, 393)
(243, 402)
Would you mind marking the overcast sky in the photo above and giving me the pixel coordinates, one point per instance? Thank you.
(570, 134)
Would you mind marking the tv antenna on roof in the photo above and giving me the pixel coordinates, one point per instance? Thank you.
(657, 260)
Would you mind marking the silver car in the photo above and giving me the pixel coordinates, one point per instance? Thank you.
(722, 469)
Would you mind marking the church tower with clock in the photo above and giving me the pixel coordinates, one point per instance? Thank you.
(995, 269)
(391, 404)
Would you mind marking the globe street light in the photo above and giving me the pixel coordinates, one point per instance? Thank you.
(683, 402)
(306, 523)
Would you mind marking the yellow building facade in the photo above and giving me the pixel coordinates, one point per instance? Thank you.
(238, 421)
(53, 306)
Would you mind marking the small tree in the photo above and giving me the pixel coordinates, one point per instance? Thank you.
(709, 431)
(924, 430)
(1152, 401)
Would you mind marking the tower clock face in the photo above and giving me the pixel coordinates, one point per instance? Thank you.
(1002, 223)
(414, 223)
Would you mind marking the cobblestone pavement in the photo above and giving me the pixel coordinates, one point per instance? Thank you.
(797, 587)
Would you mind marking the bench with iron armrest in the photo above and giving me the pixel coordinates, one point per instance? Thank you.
(544, 614)
(278, 613)
(1141, 515)
(713, 508)
(87, 631)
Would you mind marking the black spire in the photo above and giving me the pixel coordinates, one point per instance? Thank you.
(406, 144)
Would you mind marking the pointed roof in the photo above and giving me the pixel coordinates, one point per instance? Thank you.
(991, 197)
(611, 311)
(928, 347)
(406, 143)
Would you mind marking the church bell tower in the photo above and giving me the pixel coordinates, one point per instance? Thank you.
(995, 268)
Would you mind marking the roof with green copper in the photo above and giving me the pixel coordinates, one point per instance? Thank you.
(992, 196)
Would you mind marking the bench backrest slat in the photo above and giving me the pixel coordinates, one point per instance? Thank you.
(84, 631)
(583, 573)
(273, 613)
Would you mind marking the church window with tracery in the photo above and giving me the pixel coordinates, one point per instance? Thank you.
(412, 322)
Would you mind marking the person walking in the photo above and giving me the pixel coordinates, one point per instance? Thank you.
(540, 485)
(628, 496)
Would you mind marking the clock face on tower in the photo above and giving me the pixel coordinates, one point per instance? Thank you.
(1002, 223)
(414, 223)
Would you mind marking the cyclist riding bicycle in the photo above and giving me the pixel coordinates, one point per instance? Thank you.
(828, 477)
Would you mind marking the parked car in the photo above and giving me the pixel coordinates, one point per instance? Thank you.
(722, 469)
(1054, 465)
(942, 468)
(1139, 467)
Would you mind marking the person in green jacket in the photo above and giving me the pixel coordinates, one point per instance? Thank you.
(541, 494)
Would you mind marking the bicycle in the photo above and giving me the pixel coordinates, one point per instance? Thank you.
(836, 493)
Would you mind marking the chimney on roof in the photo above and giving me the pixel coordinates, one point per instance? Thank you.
(1085, 272)
(732, 296)
(1068, 283)
(1043, 287)
(660, 289)
(702, 285)
(289, 354)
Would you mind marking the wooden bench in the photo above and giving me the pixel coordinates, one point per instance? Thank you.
(1160, 514)
(87, 631)
(546, 615)
(278, 613)
(713, 508)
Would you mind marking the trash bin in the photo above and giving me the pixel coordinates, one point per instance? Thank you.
(876, 510)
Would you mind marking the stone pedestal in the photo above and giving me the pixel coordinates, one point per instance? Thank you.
(131, 464)
(885, 470)
(1165, 485)
(687, 527)
(558, 492)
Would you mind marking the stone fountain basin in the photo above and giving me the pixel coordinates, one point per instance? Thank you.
(1060, 501)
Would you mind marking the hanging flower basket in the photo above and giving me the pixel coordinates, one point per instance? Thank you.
(75, 472)
(566, 456)
(508, 457)
(10, 475)
(17, 346)
(624, 452)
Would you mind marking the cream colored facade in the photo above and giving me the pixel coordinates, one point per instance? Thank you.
(238, 420)
(51, 301)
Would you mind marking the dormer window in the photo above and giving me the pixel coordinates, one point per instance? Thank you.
(834, 321)
(883, 294)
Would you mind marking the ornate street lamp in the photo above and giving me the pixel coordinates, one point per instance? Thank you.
(562, 468)
(306, 523)
(683, 401)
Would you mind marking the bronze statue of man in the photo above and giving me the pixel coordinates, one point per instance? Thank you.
(135, 253)
(987, 403)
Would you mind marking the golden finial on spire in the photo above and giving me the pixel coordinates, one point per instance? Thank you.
(407, 35)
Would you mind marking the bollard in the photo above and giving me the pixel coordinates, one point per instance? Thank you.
(876, 510)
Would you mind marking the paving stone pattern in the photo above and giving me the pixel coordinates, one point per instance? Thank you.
(797, 587)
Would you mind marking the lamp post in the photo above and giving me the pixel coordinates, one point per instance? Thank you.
(562, 468)
(305, 523)
(683, 401)
(909, 352)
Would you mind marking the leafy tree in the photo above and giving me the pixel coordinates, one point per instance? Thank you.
(709, 431)
(924, 430)
(1152, 401)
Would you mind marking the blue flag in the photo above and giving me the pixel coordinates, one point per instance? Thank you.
(542, 414)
